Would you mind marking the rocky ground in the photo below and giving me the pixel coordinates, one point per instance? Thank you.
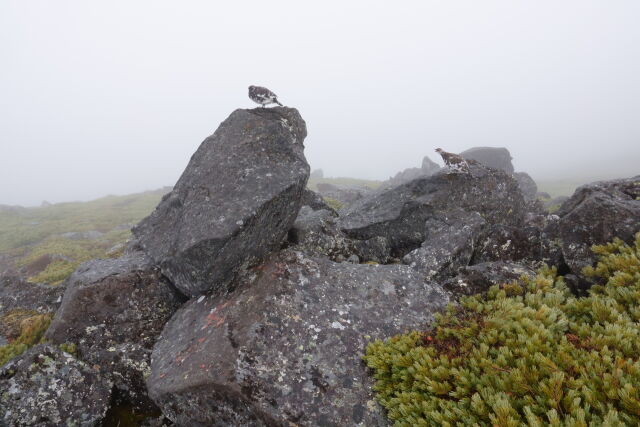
(245, 299)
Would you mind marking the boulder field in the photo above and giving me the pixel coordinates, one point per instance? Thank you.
(244, 299)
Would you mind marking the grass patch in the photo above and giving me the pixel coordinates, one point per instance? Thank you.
(528, 353)
(313, 182)
(33, 237)
(32, 329)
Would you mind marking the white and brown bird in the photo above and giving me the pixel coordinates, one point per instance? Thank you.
(454, 162)
(263, 96)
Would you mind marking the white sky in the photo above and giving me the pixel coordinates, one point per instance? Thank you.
(113, 97)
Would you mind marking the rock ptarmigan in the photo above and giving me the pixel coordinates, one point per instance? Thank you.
(454, 162)
(263, 96)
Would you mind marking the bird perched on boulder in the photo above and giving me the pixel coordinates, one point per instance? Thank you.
(454, 161)
(263, 96)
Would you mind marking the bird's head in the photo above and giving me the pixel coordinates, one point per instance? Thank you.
(439, 150)
(251, 88)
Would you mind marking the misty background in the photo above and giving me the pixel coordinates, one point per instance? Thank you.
(114, 97)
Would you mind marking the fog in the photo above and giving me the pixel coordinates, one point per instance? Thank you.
(113, 97)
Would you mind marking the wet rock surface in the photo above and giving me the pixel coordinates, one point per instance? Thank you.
(596, 214)
(233, 204)
(285, 347)
(448, 245)
(47, 387)
(113, 311)
(399, 215)
(493, 157)
(478, 278)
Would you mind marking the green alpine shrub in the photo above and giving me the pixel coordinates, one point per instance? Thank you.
(527, 353)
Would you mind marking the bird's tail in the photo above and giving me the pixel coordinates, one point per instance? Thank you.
(278, 102)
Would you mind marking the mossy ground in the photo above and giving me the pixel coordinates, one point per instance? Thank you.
(33, 237)
(528, 353)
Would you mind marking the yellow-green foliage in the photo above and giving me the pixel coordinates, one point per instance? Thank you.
(32, 330)
(529, 353)
(333, 203)
(69, 347)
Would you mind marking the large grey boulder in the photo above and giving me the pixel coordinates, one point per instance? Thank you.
(400, 214)
(233, 204)
(494, 157)
(46, 387)
(449, 243)
(596, 214)
(113, 311)
(285, 347)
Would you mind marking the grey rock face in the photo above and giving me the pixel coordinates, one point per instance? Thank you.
(527, 185)
(47, 387)
(233, 204)
(113, 310)
(316, 233)
(316, 202)
(595, 214)
(535, 243)
(375, 249)
(448, 245)
(284, 348)
(399, 214)
(478, 278)
(494, 157)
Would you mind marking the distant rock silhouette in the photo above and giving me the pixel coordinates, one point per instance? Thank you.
(429, 167)
(494, 157)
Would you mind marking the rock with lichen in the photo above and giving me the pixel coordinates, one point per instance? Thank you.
(113, 311)
(478, 278)
(284, 348)
(233, 204)
(449, 243)
(48, 387)
(315, 232)
(595, 214)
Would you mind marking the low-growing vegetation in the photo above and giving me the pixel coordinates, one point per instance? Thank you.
(527, 353)
(32, 329)
(48, 243)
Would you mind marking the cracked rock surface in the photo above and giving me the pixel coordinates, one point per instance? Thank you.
(285, 347)
(113, 311)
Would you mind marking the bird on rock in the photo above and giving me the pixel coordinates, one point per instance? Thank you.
(263, 96)
(453, 161)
